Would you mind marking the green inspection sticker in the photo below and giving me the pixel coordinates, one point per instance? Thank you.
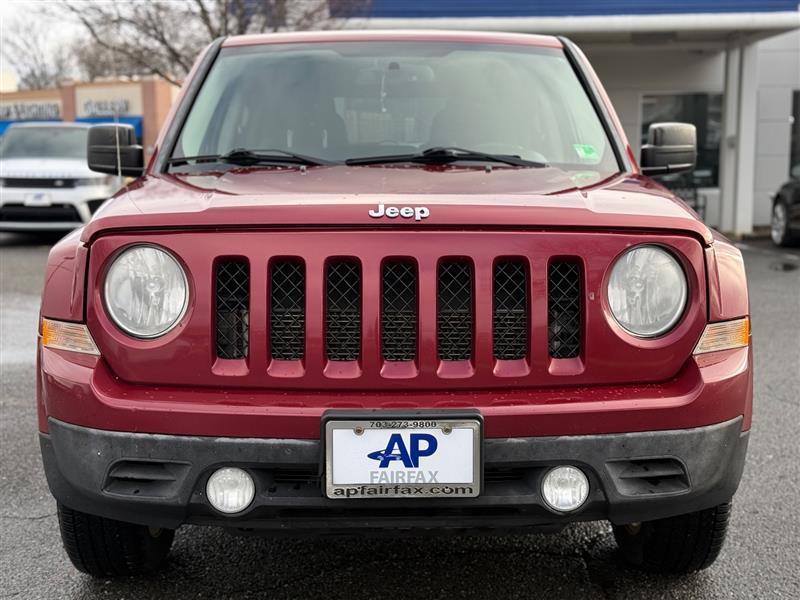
(586, 152)
(585, 177)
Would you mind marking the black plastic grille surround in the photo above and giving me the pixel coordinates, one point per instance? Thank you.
(232, 308)
(510, 312)
(399, 311)
(564, 309)
(454, 315)
(287, 331)
(343, 310)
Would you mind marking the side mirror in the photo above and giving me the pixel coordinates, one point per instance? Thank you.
(670, 148)
(102, 150)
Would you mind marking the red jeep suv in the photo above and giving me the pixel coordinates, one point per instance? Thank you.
(393, 281)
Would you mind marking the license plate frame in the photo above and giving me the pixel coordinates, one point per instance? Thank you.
(404, 422)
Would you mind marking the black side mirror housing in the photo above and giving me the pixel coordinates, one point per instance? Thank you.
(102, 150)
(670, 148)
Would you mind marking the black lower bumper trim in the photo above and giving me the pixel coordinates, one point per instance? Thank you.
(159, 480)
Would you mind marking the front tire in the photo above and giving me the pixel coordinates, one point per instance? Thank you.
(106, 548)
(676, 545)
(779, 231)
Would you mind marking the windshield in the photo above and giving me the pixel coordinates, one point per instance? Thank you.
(44, 142)
(346, 100)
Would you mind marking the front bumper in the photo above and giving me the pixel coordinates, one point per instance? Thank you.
(159, 480)
(59, 210)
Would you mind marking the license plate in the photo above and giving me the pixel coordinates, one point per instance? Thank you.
(37, 199)
(402, 458)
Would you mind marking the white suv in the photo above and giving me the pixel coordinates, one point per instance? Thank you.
(44, 181)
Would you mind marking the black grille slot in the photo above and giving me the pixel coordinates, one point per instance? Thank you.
(564, 309)
(233, 308)
(35, 182)
(454, 314)
(39, 214)
(343, 310)
(649, 476)
(287, 310)
(300, 475)
(399, 312)
(510, 316)
(145, 478)
(505, 474)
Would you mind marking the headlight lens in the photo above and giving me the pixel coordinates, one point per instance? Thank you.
(647, 291)
(146, 291)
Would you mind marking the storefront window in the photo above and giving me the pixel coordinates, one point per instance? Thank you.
(702, 110)
(794, 148)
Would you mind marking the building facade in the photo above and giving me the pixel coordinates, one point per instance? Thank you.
(143, 104)
(731, 67)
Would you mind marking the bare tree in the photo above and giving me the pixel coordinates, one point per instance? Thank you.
(37, 62)
(163, 37)
(93, 62)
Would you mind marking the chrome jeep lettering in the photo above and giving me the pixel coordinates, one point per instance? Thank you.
(407, 212)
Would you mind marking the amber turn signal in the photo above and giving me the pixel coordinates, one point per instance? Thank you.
(724, 336)
(74, 337)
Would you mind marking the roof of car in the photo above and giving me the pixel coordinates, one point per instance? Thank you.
(50, 124)
(395, 35)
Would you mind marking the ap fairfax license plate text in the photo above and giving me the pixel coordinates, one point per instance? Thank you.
(402, 458)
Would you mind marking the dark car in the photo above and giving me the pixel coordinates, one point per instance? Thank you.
(785, 228)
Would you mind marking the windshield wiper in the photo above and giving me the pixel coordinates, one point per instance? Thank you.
(245, 157)
(440, 155)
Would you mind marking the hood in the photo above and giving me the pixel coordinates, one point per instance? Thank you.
(341, 196)
(47, 168)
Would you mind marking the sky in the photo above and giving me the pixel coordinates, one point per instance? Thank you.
(15, 14)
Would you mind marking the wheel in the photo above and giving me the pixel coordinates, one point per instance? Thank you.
(677, 545)
(107, 548)
(779, 227)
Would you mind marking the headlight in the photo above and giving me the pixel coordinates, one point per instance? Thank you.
(647, 291)
(146, 292)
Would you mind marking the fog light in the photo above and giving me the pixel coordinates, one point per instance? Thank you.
(565, 488)
(230, 490)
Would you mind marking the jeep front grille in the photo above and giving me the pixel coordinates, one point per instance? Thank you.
(287, 332)
(343, 310)
(232, 308)
(510, 314)
(454, 315)
(399, 311)
(564, 309)
(424, 317)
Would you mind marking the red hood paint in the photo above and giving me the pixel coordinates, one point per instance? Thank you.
(341, 196)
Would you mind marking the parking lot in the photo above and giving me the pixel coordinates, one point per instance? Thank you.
(761, 559)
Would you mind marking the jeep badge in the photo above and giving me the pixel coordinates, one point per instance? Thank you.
(418, 212)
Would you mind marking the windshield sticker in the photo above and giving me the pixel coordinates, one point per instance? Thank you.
(582, 178)
(587, 152)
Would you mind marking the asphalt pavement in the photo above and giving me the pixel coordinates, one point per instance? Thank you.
(761, 558)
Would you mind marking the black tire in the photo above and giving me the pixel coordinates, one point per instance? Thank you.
(106, 548)
(677, 545)
(780, 232)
